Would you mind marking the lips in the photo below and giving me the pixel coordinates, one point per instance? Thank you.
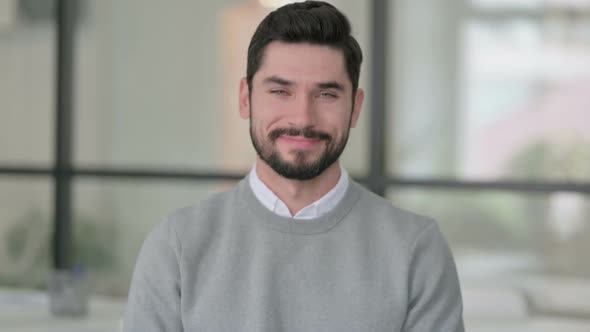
(300, 141)
(307, 133)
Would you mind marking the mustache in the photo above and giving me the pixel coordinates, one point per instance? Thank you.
(306, 132)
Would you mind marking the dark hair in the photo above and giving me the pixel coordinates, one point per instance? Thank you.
(314, 22)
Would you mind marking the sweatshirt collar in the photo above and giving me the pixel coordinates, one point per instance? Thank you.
(316, 209)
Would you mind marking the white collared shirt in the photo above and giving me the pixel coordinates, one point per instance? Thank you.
(316, 209)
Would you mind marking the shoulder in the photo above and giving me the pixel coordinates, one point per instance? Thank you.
(374, 208)
(192, 222)
(213, 204)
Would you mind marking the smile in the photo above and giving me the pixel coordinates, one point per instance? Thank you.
(300, 141)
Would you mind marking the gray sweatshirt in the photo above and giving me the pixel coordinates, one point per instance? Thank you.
(229, 264)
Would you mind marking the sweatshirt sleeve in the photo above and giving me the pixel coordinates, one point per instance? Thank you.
(154, 297)
(435, 302)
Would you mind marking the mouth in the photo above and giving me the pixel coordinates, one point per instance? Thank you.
(300, 141)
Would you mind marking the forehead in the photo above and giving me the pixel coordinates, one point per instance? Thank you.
(303, 62)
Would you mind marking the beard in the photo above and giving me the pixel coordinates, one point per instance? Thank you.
(303, 167)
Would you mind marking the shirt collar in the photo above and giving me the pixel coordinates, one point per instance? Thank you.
(316, 209)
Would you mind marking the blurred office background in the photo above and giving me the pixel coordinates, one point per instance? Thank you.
(487, 129)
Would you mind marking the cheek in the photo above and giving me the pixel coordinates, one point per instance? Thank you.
(336, 121)
(265, 118)
(262, 123)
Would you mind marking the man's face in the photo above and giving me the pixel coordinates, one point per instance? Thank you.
(300, 107)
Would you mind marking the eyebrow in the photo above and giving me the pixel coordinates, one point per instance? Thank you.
(331, 85)
(323, 85)
(277, 80)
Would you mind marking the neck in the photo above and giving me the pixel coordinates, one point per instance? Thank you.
(297, 194)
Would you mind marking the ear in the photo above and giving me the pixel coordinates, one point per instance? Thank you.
(356, 108)
(244, 99)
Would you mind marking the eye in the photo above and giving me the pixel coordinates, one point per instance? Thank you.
(279, 92)
(328, 95)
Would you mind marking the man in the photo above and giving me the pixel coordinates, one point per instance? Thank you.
(297, 245)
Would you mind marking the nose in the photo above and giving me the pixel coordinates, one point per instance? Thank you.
(303, 113)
